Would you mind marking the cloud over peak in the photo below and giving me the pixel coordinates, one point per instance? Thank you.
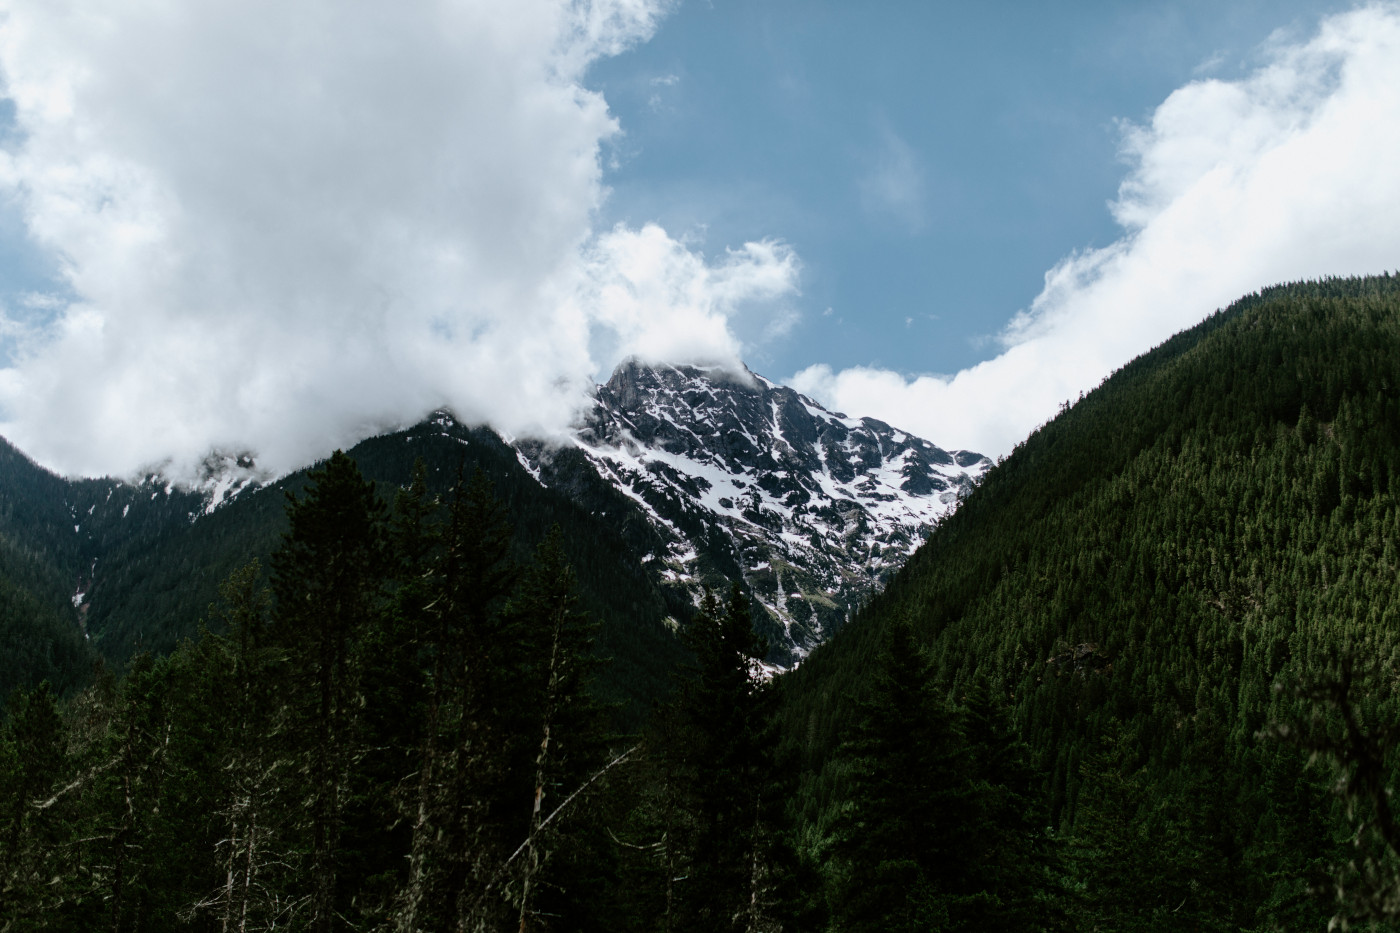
(281, 226)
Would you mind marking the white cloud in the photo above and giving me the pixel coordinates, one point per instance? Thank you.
(1287, 173)
(631, 273)
(282, 226)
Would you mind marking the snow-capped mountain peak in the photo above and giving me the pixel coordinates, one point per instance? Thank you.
(813, 507)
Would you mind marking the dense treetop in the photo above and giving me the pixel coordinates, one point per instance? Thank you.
(1218, 517)
(1087, 703)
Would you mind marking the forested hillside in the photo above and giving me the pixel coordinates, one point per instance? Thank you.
(1220, 518)
(48, 544)
(148, 562)
(1143, 678)
(399, 723)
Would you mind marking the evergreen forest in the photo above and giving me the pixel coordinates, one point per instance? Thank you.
(1144, 678)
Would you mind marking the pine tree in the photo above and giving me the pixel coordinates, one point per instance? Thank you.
(1352, 725)
(460, 578)
(900, 842)
(1113, 859)
(1011, 864)
(328, 580)
(251, 768)
(129, 833)
(32, 762)
(725, 771)
(571, 731)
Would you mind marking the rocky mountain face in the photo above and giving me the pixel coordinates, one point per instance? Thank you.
(741, 477)
(105, 568)
(702, 475)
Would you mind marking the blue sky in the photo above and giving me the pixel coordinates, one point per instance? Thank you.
(929, 162)
(270, 227)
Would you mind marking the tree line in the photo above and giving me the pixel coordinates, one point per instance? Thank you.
(393, 730)
(1089, 702)
(1156, 584)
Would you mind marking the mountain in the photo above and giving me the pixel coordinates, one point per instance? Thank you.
(1102, 695)
(745, 479)
(445, 712)
(104, 568)
(57, 537)
(1143, 584)
(675, 478)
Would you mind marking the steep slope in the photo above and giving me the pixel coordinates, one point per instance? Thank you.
(677, 477)
(116, 568)
(745, 479)
(1221, 515)
(54, 537)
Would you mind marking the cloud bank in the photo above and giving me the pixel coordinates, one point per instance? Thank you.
(1287, 173)
(280, 227)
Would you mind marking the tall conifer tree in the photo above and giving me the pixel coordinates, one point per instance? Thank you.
(726, 769)
(328, 580)
(900, 842)
(32, 762)
(571, 734)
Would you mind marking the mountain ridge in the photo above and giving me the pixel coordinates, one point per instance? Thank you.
(1151, 582)
(812, 509)
(704, 475)
(117, 569)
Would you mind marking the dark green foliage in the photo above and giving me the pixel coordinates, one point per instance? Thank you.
(1218, 514)
(722, 760)
(235, 697)
(1011, 858)
(899, 839)
(1053, 718)
(1352, 723)
(32, 762)
(39, 643)
(939, 829)
(41, 637)
(399, 733)
(148, 562)
(566, 875)
(721, 805)
(1140, 863)
(329, 578)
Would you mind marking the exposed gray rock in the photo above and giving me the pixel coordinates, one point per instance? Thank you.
(814, 508)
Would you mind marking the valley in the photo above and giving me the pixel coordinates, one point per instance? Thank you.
(1108, 682)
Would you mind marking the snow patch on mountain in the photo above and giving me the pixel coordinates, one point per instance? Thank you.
(813, 508)
(223, 475)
